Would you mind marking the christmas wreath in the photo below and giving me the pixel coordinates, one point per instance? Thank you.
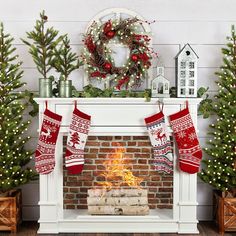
(97, 54)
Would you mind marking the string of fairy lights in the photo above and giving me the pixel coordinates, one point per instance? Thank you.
(221, 167)
(13, 156)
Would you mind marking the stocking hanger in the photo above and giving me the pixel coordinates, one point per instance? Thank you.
(160, 105)
(75, 103)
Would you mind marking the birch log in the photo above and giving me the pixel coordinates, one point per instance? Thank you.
(117, 201)
(118, 210)
(118, 193)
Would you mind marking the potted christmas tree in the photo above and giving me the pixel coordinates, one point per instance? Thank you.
(41, 45)
(220, 168)
(13, 155)
(65, 61)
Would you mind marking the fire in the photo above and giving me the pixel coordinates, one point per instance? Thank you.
(118, 172)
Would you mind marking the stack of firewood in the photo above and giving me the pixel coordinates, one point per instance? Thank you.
(118, 202)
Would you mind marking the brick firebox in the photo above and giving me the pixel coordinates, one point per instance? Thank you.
(139, 151)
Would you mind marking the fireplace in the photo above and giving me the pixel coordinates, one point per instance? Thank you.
(63, 197)
(138, 158)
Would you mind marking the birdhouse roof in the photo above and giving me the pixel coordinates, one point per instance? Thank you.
(160, 77)
(183, 50)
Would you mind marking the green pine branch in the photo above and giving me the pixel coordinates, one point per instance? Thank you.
(41, 42)
(64, 60)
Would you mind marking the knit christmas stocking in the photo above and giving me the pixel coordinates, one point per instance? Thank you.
(44, 155)
(78, 133)
(190, 153)
(163, 159)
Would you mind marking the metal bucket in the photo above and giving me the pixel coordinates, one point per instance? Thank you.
(45, 88)
(65, 88)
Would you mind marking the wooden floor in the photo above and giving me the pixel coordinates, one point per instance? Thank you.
(30, 229)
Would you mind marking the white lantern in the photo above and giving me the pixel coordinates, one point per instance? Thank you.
(186, 72)
(160, 85)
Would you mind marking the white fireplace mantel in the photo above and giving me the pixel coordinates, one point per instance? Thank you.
(123, 117)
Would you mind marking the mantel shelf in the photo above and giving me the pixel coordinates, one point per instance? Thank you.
(123, 101)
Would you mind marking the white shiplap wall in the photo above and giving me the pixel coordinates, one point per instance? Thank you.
(203, 24)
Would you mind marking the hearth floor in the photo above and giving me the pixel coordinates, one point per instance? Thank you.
(157, 214)
(30, 229)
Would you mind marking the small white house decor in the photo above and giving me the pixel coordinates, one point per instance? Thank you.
(186, 72)
(160, 85)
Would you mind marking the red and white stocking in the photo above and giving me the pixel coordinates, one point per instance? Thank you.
(76, 140)
(163, 158)
(44, 155)
(190, 153)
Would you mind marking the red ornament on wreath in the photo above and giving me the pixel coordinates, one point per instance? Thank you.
(134, 57)
(107, 66)
(110, 34)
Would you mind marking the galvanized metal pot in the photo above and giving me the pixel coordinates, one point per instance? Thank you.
(45, 88)
(65, 88)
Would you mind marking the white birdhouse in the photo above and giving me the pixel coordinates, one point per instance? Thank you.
(186, 72)
(160, 85)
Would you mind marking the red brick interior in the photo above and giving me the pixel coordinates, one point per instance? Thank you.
(139, 151)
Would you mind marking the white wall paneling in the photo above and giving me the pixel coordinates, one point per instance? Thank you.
(204, 24)
(164, 32)
(164, 10)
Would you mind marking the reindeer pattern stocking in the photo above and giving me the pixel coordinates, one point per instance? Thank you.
(163, 158)
(44, 155)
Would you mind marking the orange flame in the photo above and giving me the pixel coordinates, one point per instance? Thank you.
(118, 172)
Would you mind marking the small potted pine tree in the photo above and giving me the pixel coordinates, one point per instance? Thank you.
(65, 62)
(14, 157)
(220, 168)
(42, 42)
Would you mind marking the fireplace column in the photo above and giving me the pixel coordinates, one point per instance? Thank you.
(51, 185)
(185, 187)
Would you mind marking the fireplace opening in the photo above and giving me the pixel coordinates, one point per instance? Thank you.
(118, 179)
(120, 191)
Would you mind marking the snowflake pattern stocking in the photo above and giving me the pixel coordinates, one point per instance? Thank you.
(78, 133)
(190, 153)
(163, 158)
(44, 154)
